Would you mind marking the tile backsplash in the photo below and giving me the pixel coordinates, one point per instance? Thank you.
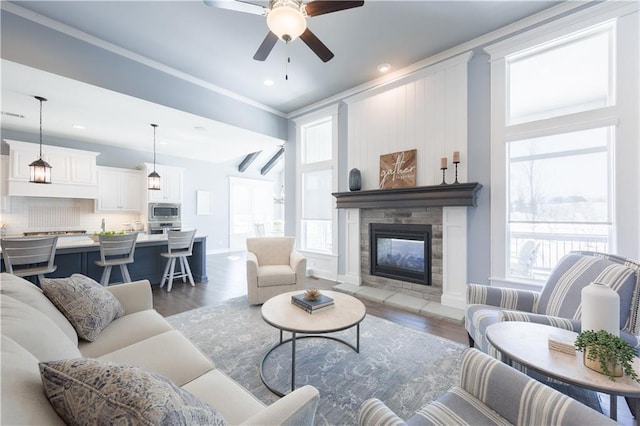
(32, 214)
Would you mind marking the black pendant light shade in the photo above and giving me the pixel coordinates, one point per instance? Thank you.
(40, 170)
(154, 177)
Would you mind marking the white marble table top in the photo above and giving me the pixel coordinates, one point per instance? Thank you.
(84, 240)
(527, 344)
(281, 313)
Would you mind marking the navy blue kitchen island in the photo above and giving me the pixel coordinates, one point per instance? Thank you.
(78, 255)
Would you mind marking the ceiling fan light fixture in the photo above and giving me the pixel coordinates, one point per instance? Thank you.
(286, 20)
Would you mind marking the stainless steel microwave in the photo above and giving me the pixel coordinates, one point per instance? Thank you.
(164, 211)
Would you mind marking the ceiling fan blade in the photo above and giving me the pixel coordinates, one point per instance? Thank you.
(238, 6)
(320, 7)
(266, 47)
(316, 45)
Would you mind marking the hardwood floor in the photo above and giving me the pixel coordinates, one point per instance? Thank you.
(227, 279)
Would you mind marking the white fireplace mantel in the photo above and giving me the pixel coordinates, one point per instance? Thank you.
(454, 254)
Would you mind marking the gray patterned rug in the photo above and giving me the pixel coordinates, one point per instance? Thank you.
(402, 367)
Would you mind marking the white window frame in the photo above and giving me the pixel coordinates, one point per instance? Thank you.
(623, 17)
(331, 114)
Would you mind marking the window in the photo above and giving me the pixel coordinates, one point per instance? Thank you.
(558, 185)
(250, 205)
(559, 192)
(562, 140)
(317, 184)
(568, 76)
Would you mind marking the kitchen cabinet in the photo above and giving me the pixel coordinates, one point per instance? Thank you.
(170, 184)
(4, 175)
(73, 171)
(118, 190)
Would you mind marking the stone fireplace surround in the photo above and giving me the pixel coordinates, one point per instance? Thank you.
(442, 206)
(413, 216)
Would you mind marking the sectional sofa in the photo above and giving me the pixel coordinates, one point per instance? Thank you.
(37, 338)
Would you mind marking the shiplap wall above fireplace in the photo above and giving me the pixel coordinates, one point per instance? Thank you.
(428, 112)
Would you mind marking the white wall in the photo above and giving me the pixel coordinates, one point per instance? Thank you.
(427, 113)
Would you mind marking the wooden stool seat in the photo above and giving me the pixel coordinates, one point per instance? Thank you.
(180, 246)
(116, 250)
(33, 256)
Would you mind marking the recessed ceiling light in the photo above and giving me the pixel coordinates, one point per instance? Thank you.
(163, 143)
(78, 126)
(384, 67)
(268, 82)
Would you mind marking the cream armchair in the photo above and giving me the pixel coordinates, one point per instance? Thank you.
(273, 267)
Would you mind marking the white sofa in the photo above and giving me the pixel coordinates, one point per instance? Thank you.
(34, 330)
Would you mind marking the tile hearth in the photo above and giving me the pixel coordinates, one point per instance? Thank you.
(402, 301)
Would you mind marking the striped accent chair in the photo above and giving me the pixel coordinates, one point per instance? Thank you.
(559, 302)
(490, 393)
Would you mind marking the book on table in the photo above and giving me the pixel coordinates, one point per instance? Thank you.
(313, 311)
(311, 305)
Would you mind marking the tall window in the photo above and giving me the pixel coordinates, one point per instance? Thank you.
(561, 134)
(559, 181)
(250, 205)
(316, 162)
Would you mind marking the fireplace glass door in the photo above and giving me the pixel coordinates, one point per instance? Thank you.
(401, 252)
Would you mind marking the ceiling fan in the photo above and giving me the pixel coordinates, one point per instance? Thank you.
(287, 20)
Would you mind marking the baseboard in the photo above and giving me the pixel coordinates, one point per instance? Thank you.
(222, 250)
(457, 302)
(349, 279)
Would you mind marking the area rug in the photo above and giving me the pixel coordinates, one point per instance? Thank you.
(403, 367)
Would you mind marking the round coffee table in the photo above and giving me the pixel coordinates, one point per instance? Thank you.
(279, 312)
(527, 344)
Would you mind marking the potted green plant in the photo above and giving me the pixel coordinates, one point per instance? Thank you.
(606, 353)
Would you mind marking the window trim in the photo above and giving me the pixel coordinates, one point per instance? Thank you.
(325, 114)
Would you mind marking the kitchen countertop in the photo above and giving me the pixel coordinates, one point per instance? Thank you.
(85, 241)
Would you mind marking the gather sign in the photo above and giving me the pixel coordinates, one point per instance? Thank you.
(398, 169)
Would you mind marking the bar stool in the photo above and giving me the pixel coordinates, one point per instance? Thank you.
(116, 250)
(180, 247)
(34, 256)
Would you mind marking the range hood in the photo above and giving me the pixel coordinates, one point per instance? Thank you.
(73, 173)
(55, 190)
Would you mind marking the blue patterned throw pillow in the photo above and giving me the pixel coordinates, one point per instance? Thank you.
(87, 305)
(90, 392)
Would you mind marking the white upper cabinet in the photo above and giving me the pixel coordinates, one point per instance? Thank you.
(4, 174)
(170, 184)
(118, 190)
(73, 171)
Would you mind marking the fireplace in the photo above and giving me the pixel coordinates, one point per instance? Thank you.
(401, 252)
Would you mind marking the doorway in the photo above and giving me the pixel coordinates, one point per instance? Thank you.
(250, 210)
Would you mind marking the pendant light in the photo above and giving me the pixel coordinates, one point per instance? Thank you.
(154, 177)
(40, 170)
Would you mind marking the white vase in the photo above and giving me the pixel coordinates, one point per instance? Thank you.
(600, 308)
